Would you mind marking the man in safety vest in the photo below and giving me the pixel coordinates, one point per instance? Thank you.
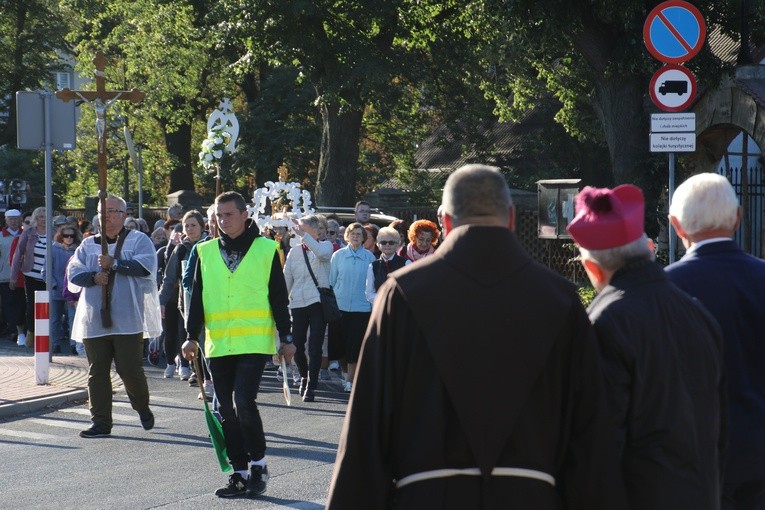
(240, 298)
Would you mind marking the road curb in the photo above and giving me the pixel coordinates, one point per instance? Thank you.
(28, 406)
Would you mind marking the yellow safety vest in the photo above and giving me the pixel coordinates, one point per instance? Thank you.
(238, 318)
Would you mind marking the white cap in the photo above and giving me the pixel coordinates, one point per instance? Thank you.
(13, 213)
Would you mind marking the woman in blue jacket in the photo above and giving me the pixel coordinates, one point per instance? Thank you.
(348, 275)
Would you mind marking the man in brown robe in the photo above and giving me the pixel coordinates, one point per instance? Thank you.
(478, 384)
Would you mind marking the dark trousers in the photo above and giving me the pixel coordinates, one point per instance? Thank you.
(335, 345)
(744, 496)
(354, 325)
(14, 306)
(237, 381)
(175, 333)
(30, 286)
(304, 318)
(127, 353)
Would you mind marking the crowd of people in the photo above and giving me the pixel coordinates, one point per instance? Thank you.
(651, 398)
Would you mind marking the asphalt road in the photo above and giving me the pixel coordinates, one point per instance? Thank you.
(45, 464)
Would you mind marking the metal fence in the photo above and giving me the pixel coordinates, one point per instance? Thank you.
(750, 190)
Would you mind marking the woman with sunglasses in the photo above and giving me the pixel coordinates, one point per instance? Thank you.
(65, 241)
(388, 242)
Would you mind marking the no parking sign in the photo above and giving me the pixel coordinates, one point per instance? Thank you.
(674, 31)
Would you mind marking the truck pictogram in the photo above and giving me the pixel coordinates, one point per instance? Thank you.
(678, 87)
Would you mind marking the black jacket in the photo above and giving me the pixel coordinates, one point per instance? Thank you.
(663, 364)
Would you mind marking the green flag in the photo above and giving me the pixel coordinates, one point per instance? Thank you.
(213, 425)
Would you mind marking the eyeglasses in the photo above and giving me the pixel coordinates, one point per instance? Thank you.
(331, 232)
(114, 211)
(67, 236)
(386, 243)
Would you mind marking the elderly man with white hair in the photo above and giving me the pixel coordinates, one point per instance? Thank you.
(663, 359)
(731, 284)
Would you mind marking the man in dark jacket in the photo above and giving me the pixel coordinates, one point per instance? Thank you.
(663, 359)
(731, 285)
(526, 430)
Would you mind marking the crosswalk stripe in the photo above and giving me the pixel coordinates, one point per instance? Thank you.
(25, 435)
(115, 417)
(59, 423)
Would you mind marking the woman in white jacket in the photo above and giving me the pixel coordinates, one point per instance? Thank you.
(305, 303)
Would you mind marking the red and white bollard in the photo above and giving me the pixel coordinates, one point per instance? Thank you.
(42, 337)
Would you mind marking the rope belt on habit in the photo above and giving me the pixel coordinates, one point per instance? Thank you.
(497, 471)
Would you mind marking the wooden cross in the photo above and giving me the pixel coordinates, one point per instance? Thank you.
(101, 99)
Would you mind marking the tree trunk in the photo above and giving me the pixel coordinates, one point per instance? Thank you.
(619, 105)
(178, 144)
(339, 159)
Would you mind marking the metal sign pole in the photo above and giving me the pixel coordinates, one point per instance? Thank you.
(47, 96)
(672, 237)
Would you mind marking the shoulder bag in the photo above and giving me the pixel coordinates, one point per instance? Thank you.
(329, 306)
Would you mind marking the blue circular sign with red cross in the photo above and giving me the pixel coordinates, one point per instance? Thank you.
(674, 31)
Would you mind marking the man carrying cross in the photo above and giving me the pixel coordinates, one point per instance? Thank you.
(127, 272)
(116, 266)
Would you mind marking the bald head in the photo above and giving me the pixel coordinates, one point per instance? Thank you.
(478, 194)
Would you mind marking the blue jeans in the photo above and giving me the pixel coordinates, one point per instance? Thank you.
(237, 381)
(60, 324)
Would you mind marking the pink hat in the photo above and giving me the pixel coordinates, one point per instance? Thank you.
(608, 218)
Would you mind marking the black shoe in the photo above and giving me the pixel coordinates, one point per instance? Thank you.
(236, 486)
(309, 396)
(303, 385)
(96, 431)
(256, 485)
(147, 419)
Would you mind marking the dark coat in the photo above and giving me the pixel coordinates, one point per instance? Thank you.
(477, 357)
(665, 379)
(731, 284)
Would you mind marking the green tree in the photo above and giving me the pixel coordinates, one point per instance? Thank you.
(591, 56)
(164, 48)
(32, 41)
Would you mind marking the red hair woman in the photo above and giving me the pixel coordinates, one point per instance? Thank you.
(423, 237)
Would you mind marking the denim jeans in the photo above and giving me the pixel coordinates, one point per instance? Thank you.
(237, 381)
(60, 324)
(308, 322)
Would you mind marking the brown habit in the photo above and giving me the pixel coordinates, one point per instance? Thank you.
(477, 357)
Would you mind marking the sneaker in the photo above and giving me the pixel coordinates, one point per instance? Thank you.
(147, 419)
(279, 375)
(296, 376)
(96, 431)
(209, 389)
(21, 341)
(236, 486)
(334, 366)
(309, 396)
(169, 371)
(185, 373)
(324, 375)
(256, 485)
(193, 380)
(347, 386)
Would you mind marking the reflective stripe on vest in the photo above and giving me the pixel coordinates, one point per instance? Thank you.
(238, 318)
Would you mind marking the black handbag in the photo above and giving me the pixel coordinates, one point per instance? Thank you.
(329, 306)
